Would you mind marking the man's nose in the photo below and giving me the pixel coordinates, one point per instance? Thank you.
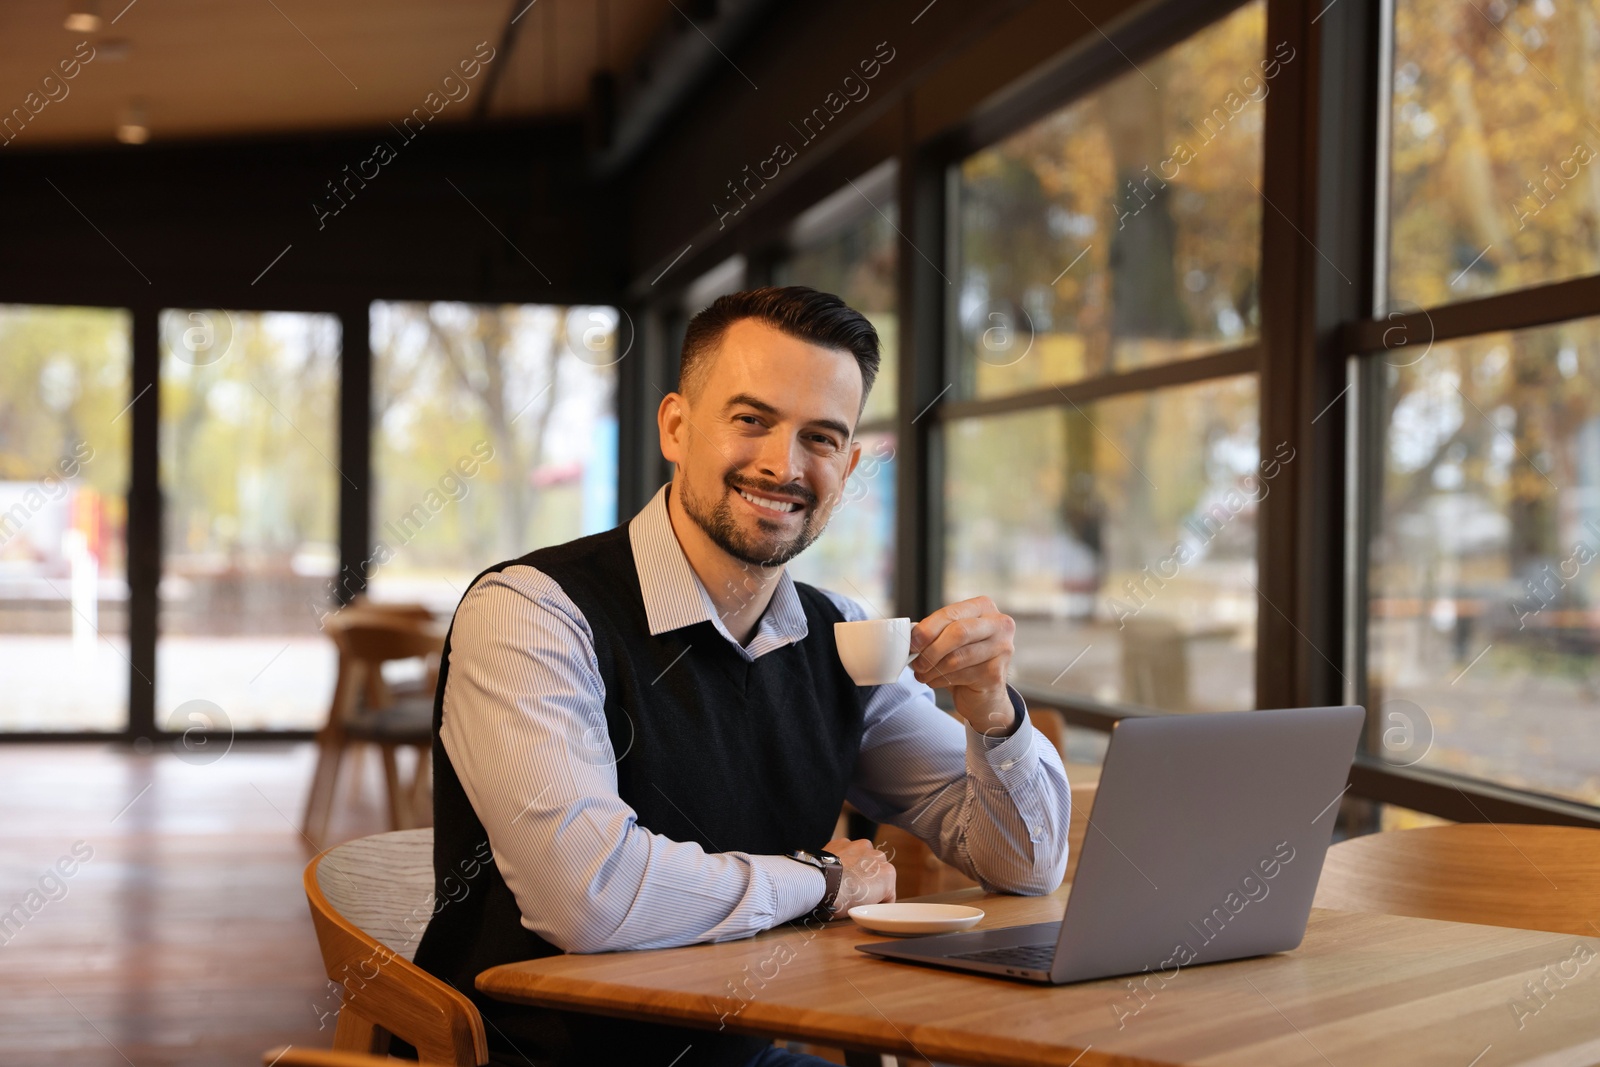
(779, 459)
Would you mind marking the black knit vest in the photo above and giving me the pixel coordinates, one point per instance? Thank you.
(710, 748)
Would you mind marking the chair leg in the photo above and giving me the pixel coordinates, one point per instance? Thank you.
(399, 814)
(422, 788)
(356, 1033)
(358, 774)
(324, 780)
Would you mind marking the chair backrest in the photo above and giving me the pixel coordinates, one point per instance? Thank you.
(1528, 877)
(383, 885)
(371, 900)
(409, 609)
(365, 642)
(378, 639)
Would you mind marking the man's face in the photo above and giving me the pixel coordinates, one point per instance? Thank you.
(773, 418)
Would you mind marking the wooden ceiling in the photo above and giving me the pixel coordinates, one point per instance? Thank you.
(208, 68)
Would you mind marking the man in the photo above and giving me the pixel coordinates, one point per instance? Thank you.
(643, 724)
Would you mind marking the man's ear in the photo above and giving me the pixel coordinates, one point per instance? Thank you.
(672, 423)
(855, 457)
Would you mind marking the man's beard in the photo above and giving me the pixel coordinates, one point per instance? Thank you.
(723, 529)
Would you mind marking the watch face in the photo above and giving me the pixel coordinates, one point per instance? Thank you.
(818, 858)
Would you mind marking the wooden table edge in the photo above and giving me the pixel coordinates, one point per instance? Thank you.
(853, 1032)
(815, 1026)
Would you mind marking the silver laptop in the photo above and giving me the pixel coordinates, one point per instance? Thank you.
(1205, 844)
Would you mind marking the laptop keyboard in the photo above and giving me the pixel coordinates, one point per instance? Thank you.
(1033, 957)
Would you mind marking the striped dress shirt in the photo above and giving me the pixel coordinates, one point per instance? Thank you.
(524, 725)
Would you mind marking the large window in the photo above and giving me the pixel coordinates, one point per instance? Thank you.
(1494, 147)
(1121, 232)
(1485, 572)
(250, 486)
(1479, 479)
(847, 245)
(64, 434)
(495, 433)
(1121, 535)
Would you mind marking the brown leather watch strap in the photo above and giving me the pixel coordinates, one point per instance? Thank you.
(833, 875)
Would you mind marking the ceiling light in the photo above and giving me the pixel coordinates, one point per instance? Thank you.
(83, 16)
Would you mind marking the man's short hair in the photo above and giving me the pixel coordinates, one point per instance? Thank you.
(797, 310)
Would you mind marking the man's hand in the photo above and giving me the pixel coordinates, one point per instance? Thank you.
(868, 875)
(966, 648)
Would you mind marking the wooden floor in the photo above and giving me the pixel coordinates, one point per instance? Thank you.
(184, 938)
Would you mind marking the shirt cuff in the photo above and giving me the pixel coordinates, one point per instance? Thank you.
(1005, 760)
(797, 888)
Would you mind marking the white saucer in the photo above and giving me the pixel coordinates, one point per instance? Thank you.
(909, 920)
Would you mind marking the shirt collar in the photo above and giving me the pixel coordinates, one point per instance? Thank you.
(675, 597)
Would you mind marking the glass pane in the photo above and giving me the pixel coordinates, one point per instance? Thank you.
(855, 556)
(1123, 230)
(856, 261)
(1483, 637)
(1493, 147)
(64, 434)
(495, 434)
(249, 443)
(1122, 538)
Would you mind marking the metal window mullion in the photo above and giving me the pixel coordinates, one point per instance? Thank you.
(144, 520)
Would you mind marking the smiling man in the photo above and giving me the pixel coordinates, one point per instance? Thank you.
(652, 732)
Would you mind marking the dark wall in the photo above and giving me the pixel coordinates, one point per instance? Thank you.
(197, 224)
(962, 70)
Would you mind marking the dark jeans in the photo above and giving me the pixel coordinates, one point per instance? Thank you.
(782, 1057)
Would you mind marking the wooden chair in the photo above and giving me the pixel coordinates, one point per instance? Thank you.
(1528, 877)
(371, 900)
(365, 709)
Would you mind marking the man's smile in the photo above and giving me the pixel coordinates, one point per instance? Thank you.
(770, 507)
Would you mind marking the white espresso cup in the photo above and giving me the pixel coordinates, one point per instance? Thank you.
(874, 651)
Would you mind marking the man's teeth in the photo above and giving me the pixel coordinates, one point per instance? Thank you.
(768, 502)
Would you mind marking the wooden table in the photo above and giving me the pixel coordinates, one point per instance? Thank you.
(1362, 989)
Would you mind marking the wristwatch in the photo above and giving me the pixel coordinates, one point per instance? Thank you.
(832, 873)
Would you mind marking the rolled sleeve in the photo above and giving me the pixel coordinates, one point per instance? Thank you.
(1006, 761)
(796, 888)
